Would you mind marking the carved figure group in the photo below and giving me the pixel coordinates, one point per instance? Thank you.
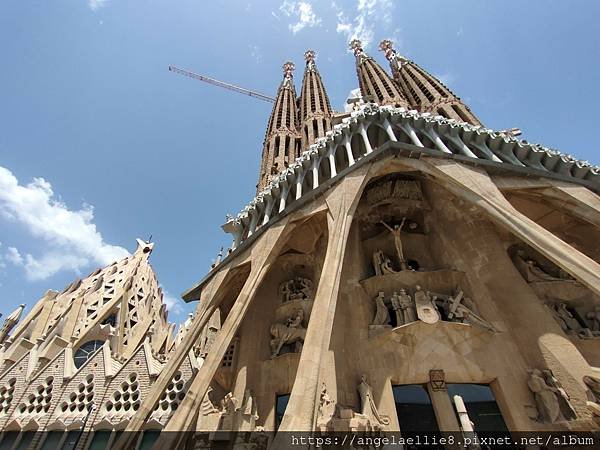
(290, 332)
(298, 288)
(551, 399)
(427, 306)
(382, 263)
(571, 325)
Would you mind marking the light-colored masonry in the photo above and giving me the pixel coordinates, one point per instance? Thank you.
(401, 268)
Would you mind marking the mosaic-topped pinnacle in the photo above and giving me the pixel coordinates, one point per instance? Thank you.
(387, 46)
(309, 56)
(356, 46)
(288, 69)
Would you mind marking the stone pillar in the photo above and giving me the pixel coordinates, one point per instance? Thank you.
(475, 186)
(302, 408)
(263, 253)
(443, 408)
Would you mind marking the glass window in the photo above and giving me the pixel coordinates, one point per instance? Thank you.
(481, 406)
(85, 352)
(52, 440)
(280, 404)
(9, 439)
(414, 409)
(100, 440)
(148, 439)
(71, 440)
(26, 438)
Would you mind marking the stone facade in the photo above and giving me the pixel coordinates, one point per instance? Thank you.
(401, 254)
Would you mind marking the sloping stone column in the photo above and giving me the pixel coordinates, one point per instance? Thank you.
(301, 411)
(475, 186)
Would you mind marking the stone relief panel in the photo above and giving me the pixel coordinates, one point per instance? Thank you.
(574, 307)
(402, 308)
(289, 333)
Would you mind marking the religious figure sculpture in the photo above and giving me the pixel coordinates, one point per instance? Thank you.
(404, 308)
(368, 407)
(382, 315)
(594, 317)
(564, 402)
(247, 413)
(298, 288)
(426, 310)
(207, 406)
(396, 233)
(9, 323)
(550, 398)
(382, 263)
(532, 271)
(568, 322)
(458, 311)
(292, 332)
(326, 408)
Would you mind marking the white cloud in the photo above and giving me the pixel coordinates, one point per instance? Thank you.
(97, 4)
(173, 303)
(303, 11)
(447, 78)
(68, 239)
(255, 53)
(368, 15)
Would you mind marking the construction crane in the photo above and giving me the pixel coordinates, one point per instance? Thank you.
(222, 84)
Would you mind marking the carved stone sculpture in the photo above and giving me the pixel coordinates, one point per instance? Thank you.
(382, 315)
(207, 406)
(545, 396)
(594, 318)
(426, 310)
(298, 288)
(382, 263)
(568, 322)
(291, 332)
(247, 414)
(326, 409)
(396, 233)
(459, 312)
(564, 402)
(404, 308)
(551, 399)
(11, 320)
(531, 270)
(367, 403)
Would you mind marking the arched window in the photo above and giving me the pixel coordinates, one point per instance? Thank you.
(84, 352)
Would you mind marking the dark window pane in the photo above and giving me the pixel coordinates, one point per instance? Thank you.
(414, 409)
(149, 439)
(100, 440)
(52, 440)
(26, 439)
(481, 406)
(280, 405)
(9, 439)
(71, 440)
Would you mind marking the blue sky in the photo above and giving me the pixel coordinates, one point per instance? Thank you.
(100, 143)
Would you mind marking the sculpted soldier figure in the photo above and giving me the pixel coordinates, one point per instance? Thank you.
(382, 315)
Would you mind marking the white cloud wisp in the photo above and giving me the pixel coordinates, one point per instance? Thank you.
(303, 11)
(69, 239)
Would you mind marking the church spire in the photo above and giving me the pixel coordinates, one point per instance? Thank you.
(375, 84)
(280, 145)
(424, 91)
(315, 109)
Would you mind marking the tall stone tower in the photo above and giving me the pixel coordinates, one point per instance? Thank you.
(410, 271)
(425, 92)
(315, 110)
(281, 146)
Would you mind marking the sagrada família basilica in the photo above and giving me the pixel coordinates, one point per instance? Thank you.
(402, 268)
